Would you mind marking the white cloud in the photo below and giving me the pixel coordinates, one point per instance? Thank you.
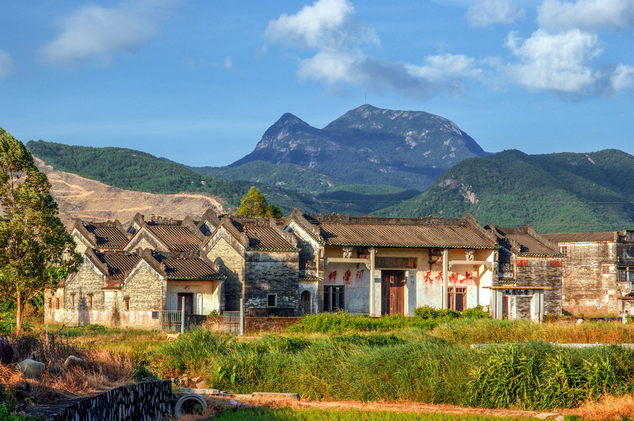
(228, 63)
(93, 34)
(556, 62)
(328, 28)
(588, 15)
(7, 64)
(622, 78)
(487, 12)
(324, 24)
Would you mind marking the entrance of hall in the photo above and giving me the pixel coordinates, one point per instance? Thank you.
(392, 292)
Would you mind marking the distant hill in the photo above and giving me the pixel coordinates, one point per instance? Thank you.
(139, 171)
(369, 145)
(288, 176)
(561, 192)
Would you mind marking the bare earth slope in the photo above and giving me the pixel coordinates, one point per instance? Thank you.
(79, 197)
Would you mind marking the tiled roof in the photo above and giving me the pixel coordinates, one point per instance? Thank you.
(266, 238)
(529, 245)
(411, 232)
(176, 237)
(178, 267)
(263, 234)
(107, 235)
(580, 237)
(118, 264)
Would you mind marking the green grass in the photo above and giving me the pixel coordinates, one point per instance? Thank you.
(412, 365)
(291, 414)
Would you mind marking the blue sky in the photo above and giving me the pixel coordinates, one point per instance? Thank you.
(200, 81)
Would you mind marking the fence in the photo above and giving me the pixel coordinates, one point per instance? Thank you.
(171, 320)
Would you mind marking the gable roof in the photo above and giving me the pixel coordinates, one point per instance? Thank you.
(395, 232)
(109, 234)
(186, 266)
(524, 241)
(581, 237)
(172, 235)
(264, 234)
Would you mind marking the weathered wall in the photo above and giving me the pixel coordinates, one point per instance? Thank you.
(272, 273)
(541, 272)
(355, 278)
(311, 263)
(310, 286)
(77, 289)
(206, 295)
(232, 265)
(141, 402)
(586, 289)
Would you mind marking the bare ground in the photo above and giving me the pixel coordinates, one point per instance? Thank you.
(79, 197)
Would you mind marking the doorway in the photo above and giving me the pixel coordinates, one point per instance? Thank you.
(305, 302)
(189, 302)
(392, 292)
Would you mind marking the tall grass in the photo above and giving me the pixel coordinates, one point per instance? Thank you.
(411, 365)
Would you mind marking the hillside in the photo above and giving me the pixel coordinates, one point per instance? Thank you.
(561, 192)
(288, 176)
(141, 172)
(80, 197)
(369, 145)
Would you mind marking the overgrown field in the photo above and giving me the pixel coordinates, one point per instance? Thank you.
(411, 365)
(292, 414)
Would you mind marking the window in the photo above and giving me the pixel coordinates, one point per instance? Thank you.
(89, 301)
(57, 304)
(333, 298)
(272, 300)
(605, 269)
(49, 304)
(72, 300)
(457, 298)
(625, 274)
(563, 250)
(126, 304)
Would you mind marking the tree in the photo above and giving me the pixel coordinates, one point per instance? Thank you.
(36, 251)
(254, 204)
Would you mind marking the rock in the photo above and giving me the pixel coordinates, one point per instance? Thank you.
(73, 361)
(6, 352)
(32, 369)
(201, 384)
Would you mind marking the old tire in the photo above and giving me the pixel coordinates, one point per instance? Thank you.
(187, 400)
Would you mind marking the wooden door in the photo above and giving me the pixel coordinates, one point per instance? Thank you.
(189, 302)
(392, 292)
(306, 302)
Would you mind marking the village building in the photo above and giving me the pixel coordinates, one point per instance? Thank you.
(104, 236)
(377, 266)
(598, 271)
(529, 281)
(261, 265)
(132, 289)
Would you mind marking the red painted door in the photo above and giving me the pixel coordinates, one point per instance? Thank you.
(392, 292)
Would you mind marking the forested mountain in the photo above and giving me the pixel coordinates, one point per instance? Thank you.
(369, 145)
(288, 176)
(139, 171)
(561, 192)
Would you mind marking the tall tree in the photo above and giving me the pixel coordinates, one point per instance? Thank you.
(254, 204)
(36, 251)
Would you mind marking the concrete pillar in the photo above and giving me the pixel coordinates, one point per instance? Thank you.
(445, 278)
(372, 288)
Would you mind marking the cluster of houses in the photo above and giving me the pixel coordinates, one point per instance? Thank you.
(324, 263)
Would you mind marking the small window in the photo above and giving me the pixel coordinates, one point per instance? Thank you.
(625, 275)
(89, 301)
(72, 300)
(57, 304)
(334, 298)
(605, 269)
(563, 250)
(457, 298)
(272, 300)
(126, 304)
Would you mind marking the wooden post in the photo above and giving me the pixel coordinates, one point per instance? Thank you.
(372, 286)
(445, 279)
(183, 315)
(241, 316)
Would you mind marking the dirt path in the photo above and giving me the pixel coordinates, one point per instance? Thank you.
(222, 403)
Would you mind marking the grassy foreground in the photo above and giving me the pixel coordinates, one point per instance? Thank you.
(412, 365)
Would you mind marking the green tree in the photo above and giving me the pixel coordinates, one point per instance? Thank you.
(254, 204)
(36, 250)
